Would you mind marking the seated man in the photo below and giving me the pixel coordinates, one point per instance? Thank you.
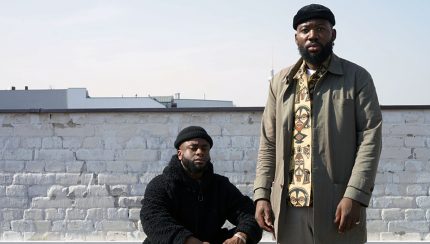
(188, 203)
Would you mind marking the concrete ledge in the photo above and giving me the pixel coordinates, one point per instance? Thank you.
(135, 242)
(180, 110)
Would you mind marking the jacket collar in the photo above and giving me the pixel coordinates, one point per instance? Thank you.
(335, 67)
(176, 172)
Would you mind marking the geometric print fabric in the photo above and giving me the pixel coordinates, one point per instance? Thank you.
(300, 186)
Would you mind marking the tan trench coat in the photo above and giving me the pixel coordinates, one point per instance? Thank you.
(346, 134)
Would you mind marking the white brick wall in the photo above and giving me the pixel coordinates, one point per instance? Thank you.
(81, 176)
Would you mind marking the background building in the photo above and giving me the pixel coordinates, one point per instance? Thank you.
(78, 98)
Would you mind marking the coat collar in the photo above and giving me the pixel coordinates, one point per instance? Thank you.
(335, 67)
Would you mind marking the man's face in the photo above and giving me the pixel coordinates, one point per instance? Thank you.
(314, 38)
(194, 155)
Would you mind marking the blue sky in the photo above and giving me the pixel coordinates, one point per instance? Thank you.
(222, 50)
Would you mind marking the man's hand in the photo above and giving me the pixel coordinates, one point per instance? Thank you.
(347, 214)
(237, 240)
(264, 215)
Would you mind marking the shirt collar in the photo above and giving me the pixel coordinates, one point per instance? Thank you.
(332, 63)
(302, 69)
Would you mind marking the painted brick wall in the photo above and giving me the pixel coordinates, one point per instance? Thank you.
(81, 176)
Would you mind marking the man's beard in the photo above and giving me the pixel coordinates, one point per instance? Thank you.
(318, 58)
(193, 168)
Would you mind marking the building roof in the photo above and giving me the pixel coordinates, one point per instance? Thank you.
(78, 98)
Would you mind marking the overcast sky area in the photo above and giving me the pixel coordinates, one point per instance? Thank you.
(203, 49)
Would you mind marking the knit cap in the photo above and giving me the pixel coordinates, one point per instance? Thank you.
(192, 132)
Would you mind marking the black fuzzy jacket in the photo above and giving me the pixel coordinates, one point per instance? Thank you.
(175, 207)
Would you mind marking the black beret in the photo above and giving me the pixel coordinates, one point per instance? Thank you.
(313, 11)
(192, 132)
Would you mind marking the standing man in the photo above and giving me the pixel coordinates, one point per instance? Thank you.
(189, 203)
(320, 142)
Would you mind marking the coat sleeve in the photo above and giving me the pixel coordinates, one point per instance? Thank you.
(156, 217)
(241, 213)
(369, 141)
(265, 170)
